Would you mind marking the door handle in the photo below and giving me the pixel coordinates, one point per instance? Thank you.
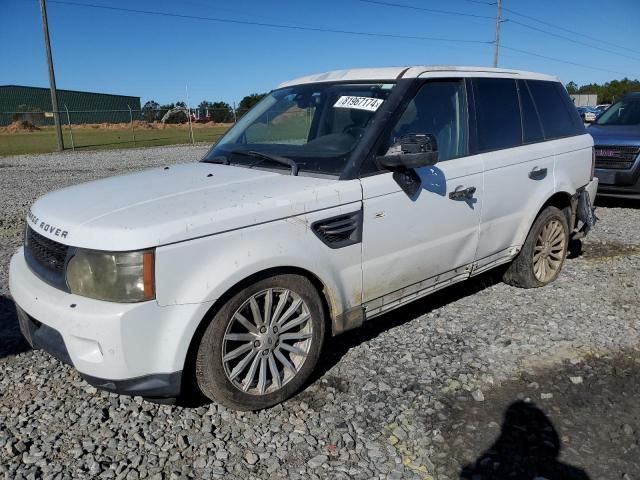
(461, 193)
(537, 173)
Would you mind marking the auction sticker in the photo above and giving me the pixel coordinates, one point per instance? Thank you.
(359, 103)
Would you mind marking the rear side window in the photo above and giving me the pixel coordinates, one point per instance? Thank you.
(497, 113)
(557, 114)
(531, 128)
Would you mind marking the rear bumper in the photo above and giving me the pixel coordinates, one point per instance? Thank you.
(593, 187)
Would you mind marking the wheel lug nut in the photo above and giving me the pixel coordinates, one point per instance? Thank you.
(256, 344)
(265, 352)
(263, 329)
(275, 329)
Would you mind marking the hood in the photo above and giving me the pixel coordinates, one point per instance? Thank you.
(172, 204)
(615, 134)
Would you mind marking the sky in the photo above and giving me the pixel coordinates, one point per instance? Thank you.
(161, 57)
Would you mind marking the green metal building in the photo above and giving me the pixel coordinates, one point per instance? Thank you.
(34, 104)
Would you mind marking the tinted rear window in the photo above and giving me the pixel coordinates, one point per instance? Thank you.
(557, 114)
(497, 113)
(531, 127)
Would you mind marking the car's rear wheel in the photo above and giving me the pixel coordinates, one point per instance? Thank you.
(543, 253)
(262, 344)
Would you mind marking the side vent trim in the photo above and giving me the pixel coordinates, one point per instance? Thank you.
(339, 231)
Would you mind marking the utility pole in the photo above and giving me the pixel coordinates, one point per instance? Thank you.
(496, 45)
(52, 76)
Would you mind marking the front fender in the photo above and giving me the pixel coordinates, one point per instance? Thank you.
(204, 269)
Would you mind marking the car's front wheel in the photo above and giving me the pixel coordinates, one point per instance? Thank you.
(262, 344)
(543, 253)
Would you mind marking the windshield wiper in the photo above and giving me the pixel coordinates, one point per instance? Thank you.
(259, 155)
(273, 158)
(218, 159)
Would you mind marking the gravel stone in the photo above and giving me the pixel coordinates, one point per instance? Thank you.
(397, 398)
(478, 396)
(317, 461)
(251, 458)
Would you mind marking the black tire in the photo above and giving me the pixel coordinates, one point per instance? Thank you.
(210, 374)
(520, 272)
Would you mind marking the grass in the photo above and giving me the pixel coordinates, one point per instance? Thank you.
(44, 140)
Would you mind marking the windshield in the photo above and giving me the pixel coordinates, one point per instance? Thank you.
(624, 112)
(317, 126)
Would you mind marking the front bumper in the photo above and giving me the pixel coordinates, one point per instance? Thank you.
(43, 337)
(619, 183)
(134, 349)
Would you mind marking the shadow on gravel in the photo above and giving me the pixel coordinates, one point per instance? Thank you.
(340, 345)
(11, 340)
(527, 448)
(601, 250)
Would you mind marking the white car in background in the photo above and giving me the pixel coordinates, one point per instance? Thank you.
(339, 197)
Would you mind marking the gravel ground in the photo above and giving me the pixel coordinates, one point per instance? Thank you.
(468, 383)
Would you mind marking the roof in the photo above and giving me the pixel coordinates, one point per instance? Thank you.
(424, 71)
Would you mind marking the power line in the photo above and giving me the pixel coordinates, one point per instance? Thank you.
(479, 2)
(568, 62)
(546, 32)
(513, 12)
(271, 25)
(430, 10)
(578, 42)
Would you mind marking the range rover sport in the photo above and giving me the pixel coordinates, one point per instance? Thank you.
(337, 198)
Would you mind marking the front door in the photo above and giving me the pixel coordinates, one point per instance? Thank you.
(413, 244)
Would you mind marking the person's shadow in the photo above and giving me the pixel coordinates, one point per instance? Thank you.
(527, 449)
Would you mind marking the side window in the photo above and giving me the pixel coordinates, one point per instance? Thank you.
(497, 113)
(531, 127)
(439, 108)
(557, 116)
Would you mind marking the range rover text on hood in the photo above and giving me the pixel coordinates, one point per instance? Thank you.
(46, 227)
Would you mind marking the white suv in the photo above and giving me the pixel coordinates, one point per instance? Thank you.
(337, 198)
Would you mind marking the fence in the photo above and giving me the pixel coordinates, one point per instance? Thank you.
(34, 131)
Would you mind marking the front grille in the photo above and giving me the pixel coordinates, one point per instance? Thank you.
(615, 157)
(45, 257)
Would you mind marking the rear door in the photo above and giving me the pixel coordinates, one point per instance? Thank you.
(518, 165)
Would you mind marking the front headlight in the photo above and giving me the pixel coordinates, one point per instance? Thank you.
(112, 276)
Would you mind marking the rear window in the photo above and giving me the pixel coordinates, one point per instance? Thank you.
(497, 113)
(557, 114)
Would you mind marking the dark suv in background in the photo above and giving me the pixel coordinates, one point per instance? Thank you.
(616, 136)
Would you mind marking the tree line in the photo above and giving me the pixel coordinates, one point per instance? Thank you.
(218, 112)
(607, 92)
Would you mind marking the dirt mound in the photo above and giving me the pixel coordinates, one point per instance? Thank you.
(142, 125)
(20, 126)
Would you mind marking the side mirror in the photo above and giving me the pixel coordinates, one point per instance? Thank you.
(411, 151)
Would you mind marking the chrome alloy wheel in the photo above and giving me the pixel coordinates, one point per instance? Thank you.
(267, 341)
(549, 251)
